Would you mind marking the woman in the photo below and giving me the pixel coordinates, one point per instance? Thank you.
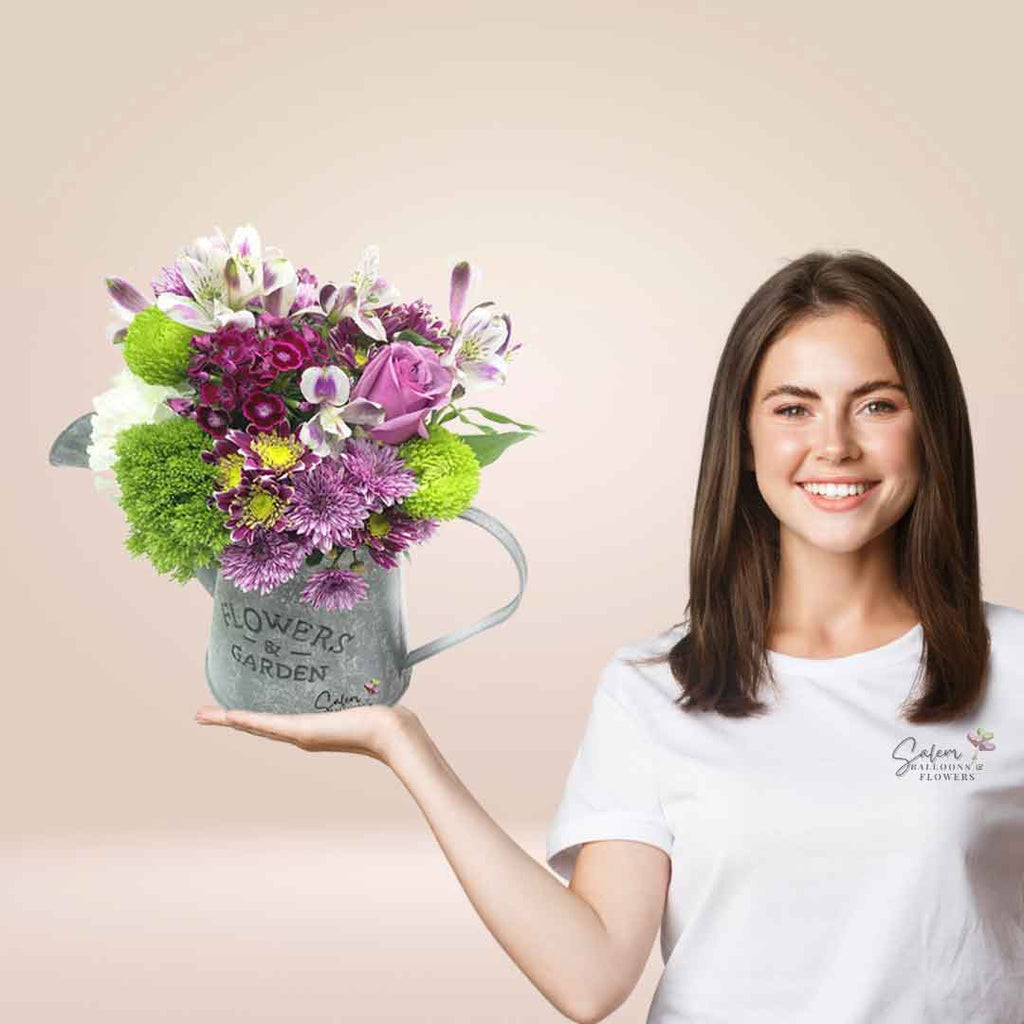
(815, 782)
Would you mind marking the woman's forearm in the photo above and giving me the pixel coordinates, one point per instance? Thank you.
(555, 937)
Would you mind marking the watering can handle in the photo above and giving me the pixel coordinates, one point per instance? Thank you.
(502, 533)
(70, 449)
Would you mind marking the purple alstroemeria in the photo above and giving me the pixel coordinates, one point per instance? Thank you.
(482, 343)
(479, 354)
(126, 302)
(225, 280)
(463, 275)
(290, 288)
(329, 388)
(365, 292)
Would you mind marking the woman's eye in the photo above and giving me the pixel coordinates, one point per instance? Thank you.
(888, 407)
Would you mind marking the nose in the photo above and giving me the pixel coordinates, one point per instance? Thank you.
(837, 440)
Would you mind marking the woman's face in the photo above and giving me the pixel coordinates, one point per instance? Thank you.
(820, 425)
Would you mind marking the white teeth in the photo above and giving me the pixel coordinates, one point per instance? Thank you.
(835, 490)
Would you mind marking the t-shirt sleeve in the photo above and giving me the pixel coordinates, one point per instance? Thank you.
(612, 788)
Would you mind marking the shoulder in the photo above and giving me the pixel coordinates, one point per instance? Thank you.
(1006, 634)
(642, 688)
(1005, 623)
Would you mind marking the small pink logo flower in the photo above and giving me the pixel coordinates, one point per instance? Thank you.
(980, 741)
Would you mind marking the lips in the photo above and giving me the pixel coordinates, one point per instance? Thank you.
(838, 480)
(839, 504)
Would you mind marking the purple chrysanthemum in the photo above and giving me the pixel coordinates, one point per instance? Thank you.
(380, 470)
(274, 452)
(334, 589)
(326, 506)
(264, 564)
(255, 505)
(230, 463)
(386, 536)
(415, 316)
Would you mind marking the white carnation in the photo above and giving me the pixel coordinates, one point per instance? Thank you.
(128, 401)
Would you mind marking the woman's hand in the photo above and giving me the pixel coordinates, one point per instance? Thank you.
(367, 729)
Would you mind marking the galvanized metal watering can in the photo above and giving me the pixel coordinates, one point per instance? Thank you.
(275, 653)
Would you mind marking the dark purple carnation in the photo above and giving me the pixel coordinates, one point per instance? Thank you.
(213, 421)
(264, 410)
(286, 355)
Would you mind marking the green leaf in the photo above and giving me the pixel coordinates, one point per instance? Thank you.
(497, 417)
(482, 427)
(408, 334)
(281, 383)
(487, 447)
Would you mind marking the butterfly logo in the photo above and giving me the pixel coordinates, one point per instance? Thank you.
(373, 686)
(980, 740)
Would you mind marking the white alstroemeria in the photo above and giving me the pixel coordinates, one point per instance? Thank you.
(478, 353)
(224, 278)
(128, 401)
(329, 387)
(366, 292)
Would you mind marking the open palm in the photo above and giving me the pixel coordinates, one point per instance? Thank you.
(364, 730)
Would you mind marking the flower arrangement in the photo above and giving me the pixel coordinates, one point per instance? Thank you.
(264, 421)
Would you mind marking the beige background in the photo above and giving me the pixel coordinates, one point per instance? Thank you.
(625, 176)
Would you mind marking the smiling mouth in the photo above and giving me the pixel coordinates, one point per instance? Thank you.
(868, 484)
(839, 501)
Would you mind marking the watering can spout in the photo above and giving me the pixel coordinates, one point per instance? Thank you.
(71, 446)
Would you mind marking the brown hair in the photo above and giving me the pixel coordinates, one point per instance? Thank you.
(734, 543)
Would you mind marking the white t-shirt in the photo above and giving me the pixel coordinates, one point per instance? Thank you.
(831, 863)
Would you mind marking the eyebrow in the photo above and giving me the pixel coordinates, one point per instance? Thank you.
(799, 391)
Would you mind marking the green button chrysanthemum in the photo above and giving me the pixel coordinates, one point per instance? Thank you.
(156, 348)
(165, 486)
(447, 474)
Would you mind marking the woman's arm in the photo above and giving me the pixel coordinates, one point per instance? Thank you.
(584, 946)
(554, 935)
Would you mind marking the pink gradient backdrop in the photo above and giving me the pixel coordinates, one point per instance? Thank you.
(625, 177)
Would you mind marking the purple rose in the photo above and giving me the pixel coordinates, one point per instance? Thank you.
(408, 381)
